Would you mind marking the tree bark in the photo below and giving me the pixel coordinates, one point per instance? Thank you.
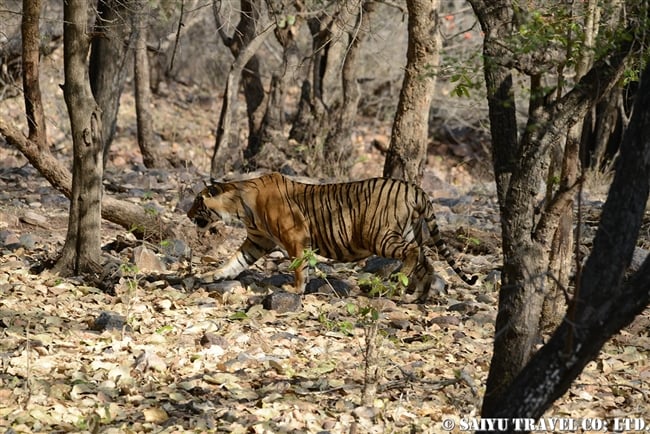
(338, 143)
(496, 21)
(150, 155)
(82, 248)
(407, 153)
(227, 140)
(31, 61)
(604, 303)
(108, 64)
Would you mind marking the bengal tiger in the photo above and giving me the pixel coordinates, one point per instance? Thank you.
(344, 221)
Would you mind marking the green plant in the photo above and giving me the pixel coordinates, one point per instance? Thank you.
(308, 256)
(394, 287)
(127, 289)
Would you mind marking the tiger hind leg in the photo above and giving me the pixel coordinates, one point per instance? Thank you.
(419, 270)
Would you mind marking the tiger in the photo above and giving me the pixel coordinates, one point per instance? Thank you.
(346, 222)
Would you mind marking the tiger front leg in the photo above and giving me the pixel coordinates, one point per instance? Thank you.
(248, 253)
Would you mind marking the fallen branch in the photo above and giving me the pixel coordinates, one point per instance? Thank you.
(130, 216)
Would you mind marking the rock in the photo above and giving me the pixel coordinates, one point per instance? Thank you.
(188, 283)
(277, 280)
(463, 307)
(146, 260)
(382, 267)
(27, 241)
(34, 219)
(458, 335)
(109, 321)
(445, 320)
(223, 286)
(329, 286)
(176, 248)
(9, 239)
(400, 323)
(209, 339)
(493, 278)
(282, 302)
(485, 298)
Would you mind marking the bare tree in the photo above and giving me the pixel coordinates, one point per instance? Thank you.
(521, 166)
(407, 153)
(244, 44)
(319, 137)
(606, 302)
(82, 248)
(109, 62)
(150, 155)
(126, 214)
(249, 29)
(32, 89)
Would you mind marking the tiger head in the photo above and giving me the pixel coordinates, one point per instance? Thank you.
(215, 202)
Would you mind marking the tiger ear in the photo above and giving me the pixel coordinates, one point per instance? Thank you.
(215, 189)
(211, 187)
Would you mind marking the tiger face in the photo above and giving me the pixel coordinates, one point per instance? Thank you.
(214, 203)
(199, 212)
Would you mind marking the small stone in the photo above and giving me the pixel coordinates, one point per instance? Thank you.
(146, 260)
(27, 241)
(223, 286)
(176, 248)
(463, 307)
(34, 219)
(108, 321)
(458, 335)
(209, 339)
(485, 298)
(330, 286)
(400, 323)
(382, 267)
(9, 239)
(282, 302)
(278, 280)
(445, 320)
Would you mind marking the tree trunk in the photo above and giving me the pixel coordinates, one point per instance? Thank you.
(561, 256)
(108, 65)
(31, 61)
(605, 303)
(249, 22)
(520, 168)
(407, 153)
(311, 108)
(150, 155)
(338, 144)
(82, 249)
(226, 152)
(271, 153)
(496, 21)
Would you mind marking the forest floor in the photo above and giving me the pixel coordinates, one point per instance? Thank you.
(194, 356)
